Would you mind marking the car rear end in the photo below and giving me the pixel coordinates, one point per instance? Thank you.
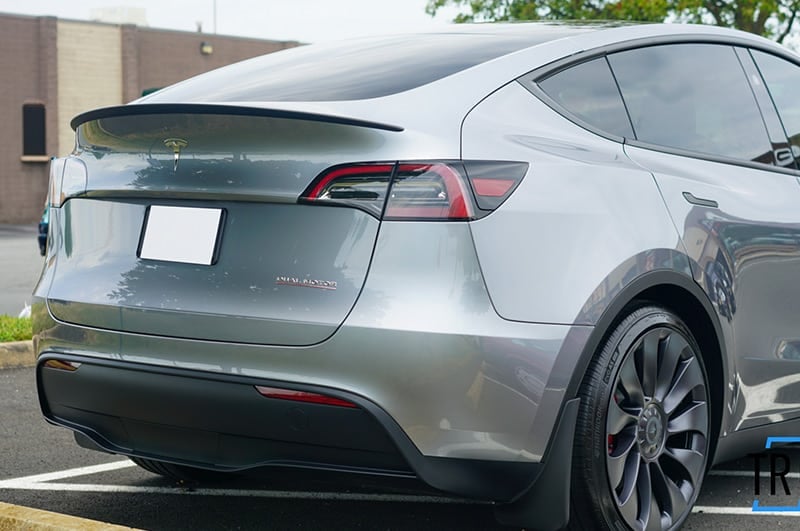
(229, 287)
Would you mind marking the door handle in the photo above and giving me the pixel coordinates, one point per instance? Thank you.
(699, 201)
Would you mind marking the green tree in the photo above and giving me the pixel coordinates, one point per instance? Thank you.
(771, 18)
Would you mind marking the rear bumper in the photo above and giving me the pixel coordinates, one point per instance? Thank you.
(423, 342)
(220, 422)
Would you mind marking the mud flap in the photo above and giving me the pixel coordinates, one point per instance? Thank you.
(545, 505)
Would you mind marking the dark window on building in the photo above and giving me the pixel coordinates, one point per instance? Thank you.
(693, 97)
(783, 82)
(33, 129)
(588, 91)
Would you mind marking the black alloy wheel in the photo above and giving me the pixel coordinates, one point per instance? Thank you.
(645, 416)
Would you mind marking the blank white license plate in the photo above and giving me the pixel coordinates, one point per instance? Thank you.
(181, 234)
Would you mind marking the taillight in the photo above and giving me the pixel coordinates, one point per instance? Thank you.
(494, 181)
(453, 191)
(429, 191)
(67, 178)
(363, 186)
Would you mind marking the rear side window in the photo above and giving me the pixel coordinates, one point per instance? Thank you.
(693, 97)
(783, 82)
(588, 91)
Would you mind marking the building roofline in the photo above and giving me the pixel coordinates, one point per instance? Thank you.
(4, 14)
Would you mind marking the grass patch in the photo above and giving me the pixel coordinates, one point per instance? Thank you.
(15, 328)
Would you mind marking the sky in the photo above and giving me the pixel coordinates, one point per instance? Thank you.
(298, 20)
(293, 20)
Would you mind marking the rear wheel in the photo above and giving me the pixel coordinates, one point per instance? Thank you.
(642, 436)
(181, 472)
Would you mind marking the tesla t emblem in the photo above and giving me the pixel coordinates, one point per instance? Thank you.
(177, 144)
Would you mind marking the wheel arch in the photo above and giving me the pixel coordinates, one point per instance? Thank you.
(680, 294)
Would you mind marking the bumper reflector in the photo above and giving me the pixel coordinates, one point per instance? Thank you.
(62, 365)
(302, 396)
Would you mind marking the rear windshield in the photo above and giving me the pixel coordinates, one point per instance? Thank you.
(356, 69)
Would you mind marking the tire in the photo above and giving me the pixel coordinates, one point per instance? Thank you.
(642, 435)
(181, 472)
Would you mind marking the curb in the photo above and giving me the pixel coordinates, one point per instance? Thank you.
(15, 517)
(16, 354)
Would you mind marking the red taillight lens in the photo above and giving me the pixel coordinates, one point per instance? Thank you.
(492, 188)
(368, 181)
(452, 191)
(494, 181)
(302, 396)
(361, 185)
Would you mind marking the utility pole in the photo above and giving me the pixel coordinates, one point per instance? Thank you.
(215, 17)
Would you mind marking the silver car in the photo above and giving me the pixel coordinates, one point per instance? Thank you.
(555, 267)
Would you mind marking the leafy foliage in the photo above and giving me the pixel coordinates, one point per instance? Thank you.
(15, 328)
(771, 18)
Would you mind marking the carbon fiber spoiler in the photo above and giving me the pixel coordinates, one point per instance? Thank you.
(235, 110)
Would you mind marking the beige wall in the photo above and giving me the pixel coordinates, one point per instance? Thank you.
(89, 73)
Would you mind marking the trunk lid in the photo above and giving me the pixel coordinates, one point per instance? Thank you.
(270, 270)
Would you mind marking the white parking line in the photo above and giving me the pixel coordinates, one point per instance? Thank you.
(45, 482)
(742, 511)
(71, 473)
(747, 474)
(48, 482)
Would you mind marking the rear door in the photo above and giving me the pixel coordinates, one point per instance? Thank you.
(721, 166)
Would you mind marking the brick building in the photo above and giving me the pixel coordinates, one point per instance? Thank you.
(54, 69)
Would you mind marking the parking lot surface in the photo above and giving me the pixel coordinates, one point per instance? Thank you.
(41, 467)
(20, 265)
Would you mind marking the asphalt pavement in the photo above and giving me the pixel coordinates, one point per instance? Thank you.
(20, 265)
